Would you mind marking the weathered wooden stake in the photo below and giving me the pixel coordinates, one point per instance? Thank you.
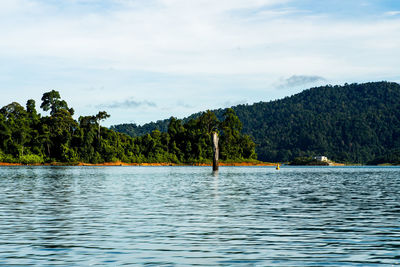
(216, 152)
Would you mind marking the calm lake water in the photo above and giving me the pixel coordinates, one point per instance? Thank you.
(181, 216)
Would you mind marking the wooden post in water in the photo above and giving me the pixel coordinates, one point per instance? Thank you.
(215, 151)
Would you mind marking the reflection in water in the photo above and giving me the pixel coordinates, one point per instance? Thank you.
(250, 216)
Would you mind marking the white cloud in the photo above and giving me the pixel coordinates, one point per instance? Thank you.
(127, 104)
(392, 13)
(300, 80)
(176, 36)
(254, 42)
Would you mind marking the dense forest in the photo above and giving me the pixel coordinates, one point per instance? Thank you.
(355, 123)
(28, 137)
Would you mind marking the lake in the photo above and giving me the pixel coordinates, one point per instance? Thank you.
(188, 216)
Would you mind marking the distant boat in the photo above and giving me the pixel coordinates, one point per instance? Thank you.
(278, 167)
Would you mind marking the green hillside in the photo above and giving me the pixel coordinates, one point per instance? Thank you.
(351, 123)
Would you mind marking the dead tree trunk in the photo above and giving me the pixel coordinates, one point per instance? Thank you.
(215, 152)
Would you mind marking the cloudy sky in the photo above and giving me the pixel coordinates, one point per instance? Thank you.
(144, 60)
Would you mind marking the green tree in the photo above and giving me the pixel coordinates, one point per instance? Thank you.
(16, 119)
(36, 146)
(52, 101)
(231, 137)
(102, 115)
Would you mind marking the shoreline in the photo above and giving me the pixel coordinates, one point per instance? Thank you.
(118, 163)
(160, 164)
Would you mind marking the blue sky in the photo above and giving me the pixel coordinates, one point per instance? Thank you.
(144, 60)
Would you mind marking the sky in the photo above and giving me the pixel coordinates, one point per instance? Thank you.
(145, 60)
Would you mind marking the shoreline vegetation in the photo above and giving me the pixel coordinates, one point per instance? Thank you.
(29, 138)
(166, 164)
(119, 163)
(310, 161)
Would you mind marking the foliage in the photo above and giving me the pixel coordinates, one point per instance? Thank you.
(351, 123)
(391, 157)
(31, 159)
(134, 130)
(29, 138)
(308, 161)
(52, 101)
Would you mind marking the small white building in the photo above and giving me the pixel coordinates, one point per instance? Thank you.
(320, 158)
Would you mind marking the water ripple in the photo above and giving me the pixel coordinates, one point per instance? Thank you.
(180, 216)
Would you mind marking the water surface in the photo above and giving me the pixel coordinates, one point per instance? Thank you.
(181, 216)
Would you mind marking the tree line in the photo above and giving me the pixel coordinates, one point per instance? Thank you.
(355, 123)
(28, 137)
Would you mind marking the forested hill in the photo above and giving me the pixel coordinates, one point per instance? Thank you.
(351, 123)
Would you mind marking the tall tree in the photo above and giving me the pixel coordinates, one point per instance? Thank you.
(52, 101)
(17, 122)
(230, 138)
(34, 128)
(102, 115)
